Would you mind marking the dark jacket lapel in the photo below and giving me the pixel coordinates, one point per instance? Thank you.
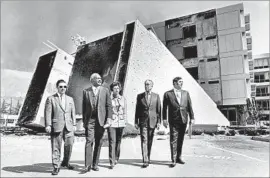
(91, 95)
(174, 96)
(144, 98)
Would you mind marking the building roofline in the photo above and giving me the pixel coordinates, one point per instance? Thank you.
(262, 55)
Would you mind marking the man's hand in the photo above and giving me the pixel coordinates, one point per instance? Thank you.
(158, 126)
(74, 128)
(165, 123)
(136, 126)
(48, 129)
(191, 121)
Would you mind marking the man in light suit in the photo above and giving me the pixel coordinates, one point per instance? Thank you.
(97, 108)
(178, 102)
(60, 122)
(147, 117)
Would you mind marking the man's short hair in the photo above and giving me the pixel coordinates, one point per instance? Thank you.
(149, 81)
(115, 84)
(176, 79)
(94, 75)
(60, 81)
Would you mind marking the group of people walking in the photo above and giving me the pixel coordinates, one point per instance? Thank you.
(103, 109)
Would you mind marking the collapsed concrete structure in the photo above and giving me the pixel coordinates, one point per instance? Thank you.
(130, 57)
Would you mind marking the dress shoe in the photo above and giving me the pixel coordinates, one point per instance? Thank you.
(111, 166)
(173, 164)
(68, 166)
(86, 169)
(180, 161)
(116, 161)
(145, 165)
(55, 171)
(95, 168)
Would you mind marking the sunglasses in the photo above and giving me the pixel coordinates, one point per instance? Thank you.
(62, 86)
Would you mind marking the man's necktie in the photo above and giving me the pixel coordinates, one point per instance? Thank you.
(62, 101)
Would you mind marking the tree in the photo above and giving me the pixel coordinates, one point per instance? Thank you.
(254, 111)
(4, 107)
(17, 108)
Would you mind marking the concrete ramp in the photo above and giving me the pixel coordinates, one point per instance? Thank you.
(150, 59)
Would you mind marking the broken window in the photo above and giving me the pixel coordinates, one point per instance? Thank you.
(211, 37)
(189, 31)
(213, 82)
(211, 59)
(193, 71)
(209, 15)
(190, 52)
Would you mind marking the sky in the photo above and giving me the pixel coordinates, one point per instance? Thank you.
(25, 25)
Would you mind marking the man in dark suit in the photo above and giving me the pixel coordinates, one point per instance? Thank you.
(60, 121)
(97, 108)
(147, 117)
(178, 102)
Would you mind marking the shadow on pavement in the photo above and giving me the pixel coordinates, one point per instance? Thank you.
(37, 168)
(132, 162)
(79, 165)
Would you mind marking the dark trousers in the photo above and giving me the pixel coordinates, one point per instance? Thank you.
(147, 135)
(177, 134)
(115, 137)
(56, 143)
(93, 132)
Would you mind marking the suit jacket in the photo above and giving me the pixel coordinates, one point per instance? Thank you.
(175, 109)
(58, 116)
(145, 112)
(104, 105)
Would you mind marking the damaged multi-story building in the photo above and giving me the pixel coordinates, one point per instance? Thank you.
(214, 49)
(259, 69)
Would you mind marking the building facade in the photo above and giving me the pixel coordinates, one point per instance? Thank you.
(260, 67)
(214, 49)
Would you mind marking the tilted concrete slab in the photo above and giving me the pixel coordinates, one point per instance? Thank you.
(49, 69)
(150, 59)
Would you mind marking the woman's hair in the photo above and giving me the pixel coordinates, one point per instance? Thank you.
(115, 84)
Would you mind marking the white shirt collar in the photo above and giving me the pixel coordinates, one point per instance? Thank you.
(176, 90)
(95, 87)
(149, 92)
(59, 95)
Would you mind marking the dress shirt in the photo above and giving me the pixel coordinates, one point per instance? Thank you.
(62, 99)
(148, 97)
(95, 90)
(178, 95)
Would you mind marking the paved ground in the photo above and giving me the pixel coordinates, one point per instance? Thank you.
(204, 155)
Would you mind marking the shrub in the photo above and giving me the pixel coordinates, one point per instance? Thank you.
(197, 132)
(263, 131)
(251, 132)
(130, 131)
(161, 132)
(232, 132)
(241, 131)
(221, 132)
(212, 133)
